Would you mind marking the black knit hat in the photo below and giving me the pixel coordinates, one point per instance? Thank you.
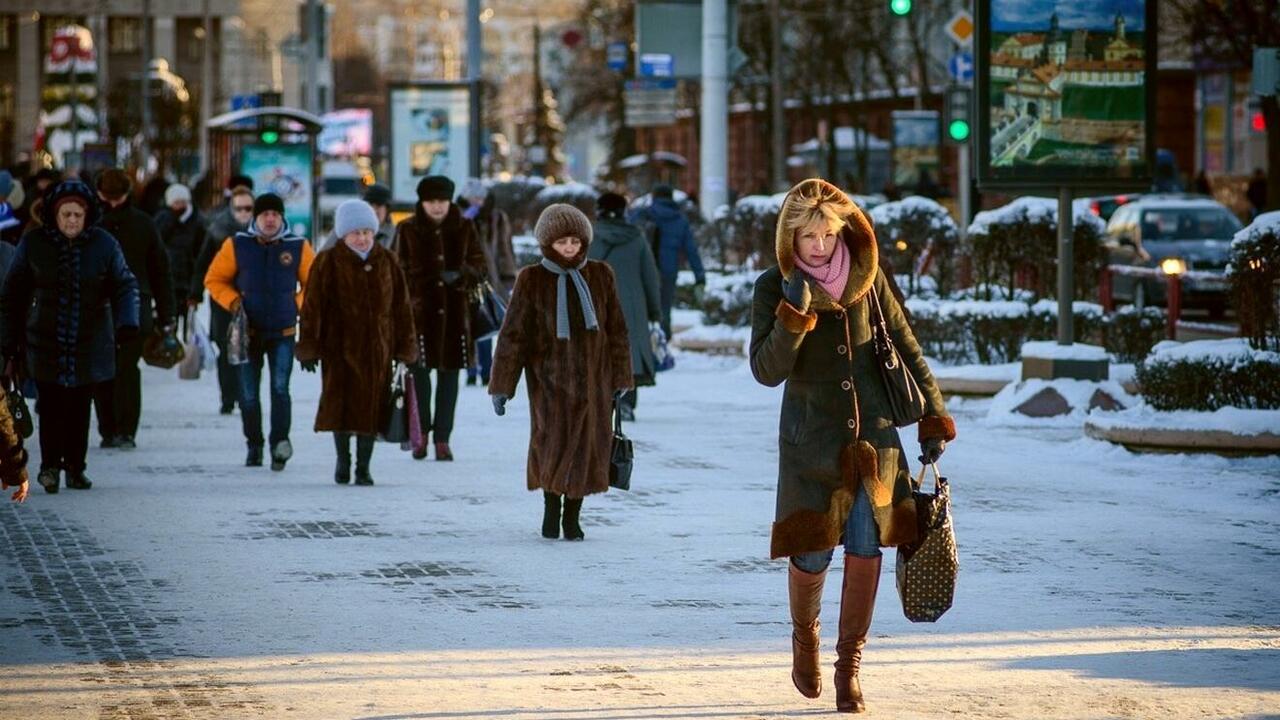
(265, 202)
(611, 205)
(236, 181)
(378, 194)
(435, 187)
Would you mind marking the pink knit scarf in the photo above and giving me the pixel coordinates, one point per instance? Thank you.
(833, 276)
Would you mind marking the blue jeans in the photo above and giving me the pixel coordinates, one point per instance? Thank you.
(484, 361)
(278, 354)
(861, 537)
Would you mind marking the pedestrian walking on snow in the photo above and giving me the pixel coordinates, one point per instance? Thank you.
(673, 239)
(622, 246)
(565, 331)
(842, 473)
(442, 260)
(356, 321)
(241, 212)
(263, 271)
(182, 230)
(493, 227)
(68, 300)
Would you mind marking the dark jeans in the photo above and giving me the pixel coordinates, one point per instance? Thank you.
(446, 401)
(118, 401)
(668, 299)
(64, 426)
(228, 374)
(278, 356)
(484, 351)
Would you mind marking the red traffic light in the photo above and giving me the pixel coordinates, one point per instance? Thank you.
(1258, 122)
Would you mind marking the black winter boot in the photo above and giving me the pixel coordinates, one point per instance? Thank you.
(51, 478)
(342, 473)
(77, 481)
(550, 515)
(364, 452)
(254, 458)
(572, 530)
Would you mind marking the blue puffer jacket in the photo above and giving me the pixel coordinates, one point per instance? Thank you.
(674, 237)
(59, 296)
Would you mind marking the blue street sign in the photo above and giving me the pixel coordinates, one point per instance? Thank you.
(657, 65)
(243, 102)
(616, 56)
(961, 67)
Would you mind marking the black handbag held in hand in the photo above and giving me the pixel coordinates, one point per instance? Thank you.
(487, 312)
(906, 401)
(395, 415)
(22, 422)
(622, 455)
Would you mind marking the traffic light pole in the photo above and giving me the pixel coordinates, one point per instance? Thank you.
(965, 188)
(714, 151)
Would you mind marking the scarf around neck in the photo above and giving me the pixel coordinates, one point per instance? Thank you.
(834, 275)
(562, 297)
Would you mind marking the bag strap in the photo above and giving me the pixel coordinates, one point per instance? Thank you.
(937, 476)
(882, 341)
(617, 418)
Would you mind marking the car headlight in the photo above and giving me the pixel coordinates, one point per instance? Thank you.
(1173, 266)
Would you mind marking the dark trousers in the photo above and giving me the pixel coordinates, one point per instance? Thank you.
(446, 400)
(64, 426)
(118, 401)
(228, 374)
(668, 297)
(484, 361)
(277, 355)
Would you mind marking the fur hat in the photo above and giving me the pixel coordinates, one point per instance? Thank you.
(378, 194)
(265, 202)
(354, 215)
(435, 187)
(114, 183)
(561, 221)
(177, 192)
(611, 205)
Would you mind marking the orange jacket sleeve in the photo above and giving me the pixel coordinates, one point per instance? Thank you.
(304, 271)
(220, 281)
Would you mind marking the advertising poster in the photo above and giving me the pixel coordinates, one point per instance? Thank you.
(286, 171)
(915, 150)
(347, 133)
(430, 135)
(1062, 87)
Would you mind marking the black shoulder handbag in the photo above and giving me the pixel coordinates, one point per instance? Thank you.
(906, 401)
(487, 312)
(622, 455)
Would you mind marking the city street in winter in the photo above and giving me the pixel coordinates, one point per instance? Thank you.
(1094, 582)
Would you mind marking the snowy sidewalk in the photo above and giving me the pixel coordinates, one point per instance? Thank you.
(1095, 583)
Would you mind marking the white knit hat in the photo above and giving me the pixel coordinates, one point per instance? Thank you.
(176, 192)
(354, 215)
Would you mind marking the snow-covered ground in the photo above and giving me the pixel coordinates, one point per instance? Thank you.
(1095, 583)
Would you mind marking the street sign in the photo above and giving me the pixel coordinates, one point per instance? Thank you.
(650, 103)
(1266, 71)
(957, 120)
(616, 56)
(961, 67)
(657, 65)
(960, 28)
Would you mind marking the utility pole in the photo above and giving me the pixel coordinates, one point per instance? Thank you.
(311, 101)
(778, 139)
(714, 139)
(206, 88)
(475, 80)
(144, 147)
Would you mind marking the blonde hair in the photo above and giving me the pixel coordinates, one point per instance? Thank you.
(812, 202)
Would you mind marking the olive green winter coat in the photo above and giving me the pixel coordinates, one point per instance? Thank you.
(836, 428)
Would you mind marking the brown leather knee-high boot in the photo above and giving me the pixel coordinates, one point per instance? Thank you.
(857, 601)
(805, 591)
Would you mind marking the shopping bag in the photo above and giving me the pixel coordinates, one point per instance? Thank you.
(664, 360)
(205, 346)
(189, 367)
(927, 569)
(238, 338)
(417, 438)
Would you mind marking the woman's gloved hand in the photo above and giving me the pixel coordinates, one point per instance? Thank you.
(797, 291)
(499, 404)
(931, 450)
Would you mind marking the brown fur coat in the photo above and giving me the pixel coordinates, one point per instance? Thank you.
(355, 320)
(571, 382)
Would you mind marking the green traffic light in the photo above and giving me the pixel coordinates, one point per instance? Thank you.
(900, 7)
(959, 129)
(270, 137)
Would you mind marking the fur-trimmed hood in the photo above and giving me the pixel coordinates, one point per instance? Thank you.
(857, 234)
(66, 189)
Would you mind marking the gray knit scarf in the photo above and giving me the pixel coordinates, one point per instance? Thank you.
(562, 297)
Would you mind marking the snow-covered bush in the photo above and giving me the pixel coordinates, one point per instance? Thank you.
(515, 197)
(1132, 332)
(909, 229)
(1017, 246)
(751, 227)
(1254, 274)
(728, 299)
(577, 194)
(1210, 374)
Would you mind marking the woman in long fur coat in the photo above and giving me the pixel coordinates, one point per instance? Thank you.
(356, 319)
(565, 330)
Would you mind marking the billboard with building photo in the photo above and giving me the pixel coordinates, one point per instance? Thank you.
(1063, 92)
(430, 135)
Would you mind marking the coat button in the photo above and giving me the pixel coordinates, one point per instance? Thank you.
(367, 268)
(440, 258)
(846, 385)
(842, 350)
(440, 311)
(852, 424)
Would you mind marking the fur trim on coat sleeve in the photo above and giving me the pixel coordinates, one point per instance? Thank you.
(793, 320)
(933, 426)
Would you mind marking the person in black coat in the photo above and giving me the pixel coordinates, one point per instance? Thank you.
(241, 212)
(119, 401)
(68, 299)
(182, 231)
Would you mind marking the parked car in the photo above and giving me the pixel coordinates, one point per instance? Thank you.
(1191, 228)
(1106, 205)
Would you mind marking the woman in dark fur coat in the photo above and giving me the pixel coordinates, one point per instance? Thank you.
(356, 319)
(843, 478)
(565, 330)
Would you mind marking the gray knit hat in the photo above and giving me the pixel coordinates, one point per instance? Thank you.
(560, 221)
(474, 188)
(354, 215)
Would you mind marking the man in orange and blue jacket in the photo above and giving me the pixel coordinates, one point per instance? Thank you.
(262, 271)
